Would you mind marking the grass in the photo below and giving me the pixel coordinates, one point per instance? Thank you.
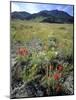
(26, 30)
(54, 38)
(23, 31)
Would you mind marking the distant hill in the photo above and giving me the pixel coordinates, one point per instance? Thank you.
(54, 16)
(20, 15)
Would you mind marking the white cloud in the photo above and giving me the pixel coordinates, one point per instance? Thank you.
(28, 7)
(31, 8)
(66, 8)
(59, 7)
(34, 8)
(14, 7)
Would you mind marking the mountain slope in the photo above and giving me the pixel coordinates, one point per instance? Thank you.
(53, 16)
(20, 15)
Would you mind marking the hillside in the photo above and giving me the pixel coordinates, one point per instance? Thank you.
(20, 15)
(53, 16)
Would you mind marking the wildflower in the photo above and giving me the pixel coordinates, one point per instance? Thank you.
(59, 67)
(56, 76)
(42, 53)
(56, 53)
(22, 51)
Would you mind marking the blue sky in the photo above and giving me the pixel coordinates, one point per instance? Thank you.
(34, 8)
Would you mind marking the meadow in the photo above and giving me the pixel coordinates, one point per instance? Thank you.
(42, 58)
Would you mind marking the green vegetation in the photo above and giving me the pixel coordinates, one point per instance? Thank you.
(47, 45)
(24, 30)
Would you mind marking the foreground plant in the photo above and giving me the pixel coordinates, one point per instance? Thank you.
(54, 77)
(22, 52)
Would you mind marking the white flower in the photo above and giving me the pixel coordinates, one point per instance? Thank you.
(56, 52)
(42, 53)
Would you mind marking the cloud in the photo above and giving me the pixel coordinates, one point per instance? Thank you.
(69, 9)
(14, 7)
(29, 7)
(34, 8)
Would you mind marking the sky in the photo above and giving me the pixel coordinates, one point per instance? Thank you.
(35, 7)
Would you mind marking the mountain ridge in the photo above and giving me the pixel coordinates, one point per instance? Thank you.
(45, 15)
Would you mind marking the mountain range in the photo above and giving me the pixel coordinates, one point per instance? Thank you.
(53, 16)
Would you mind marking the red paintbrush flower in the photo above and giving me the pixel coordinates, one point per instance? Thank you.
(59, 67)
(22, 51)
(56, 76)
